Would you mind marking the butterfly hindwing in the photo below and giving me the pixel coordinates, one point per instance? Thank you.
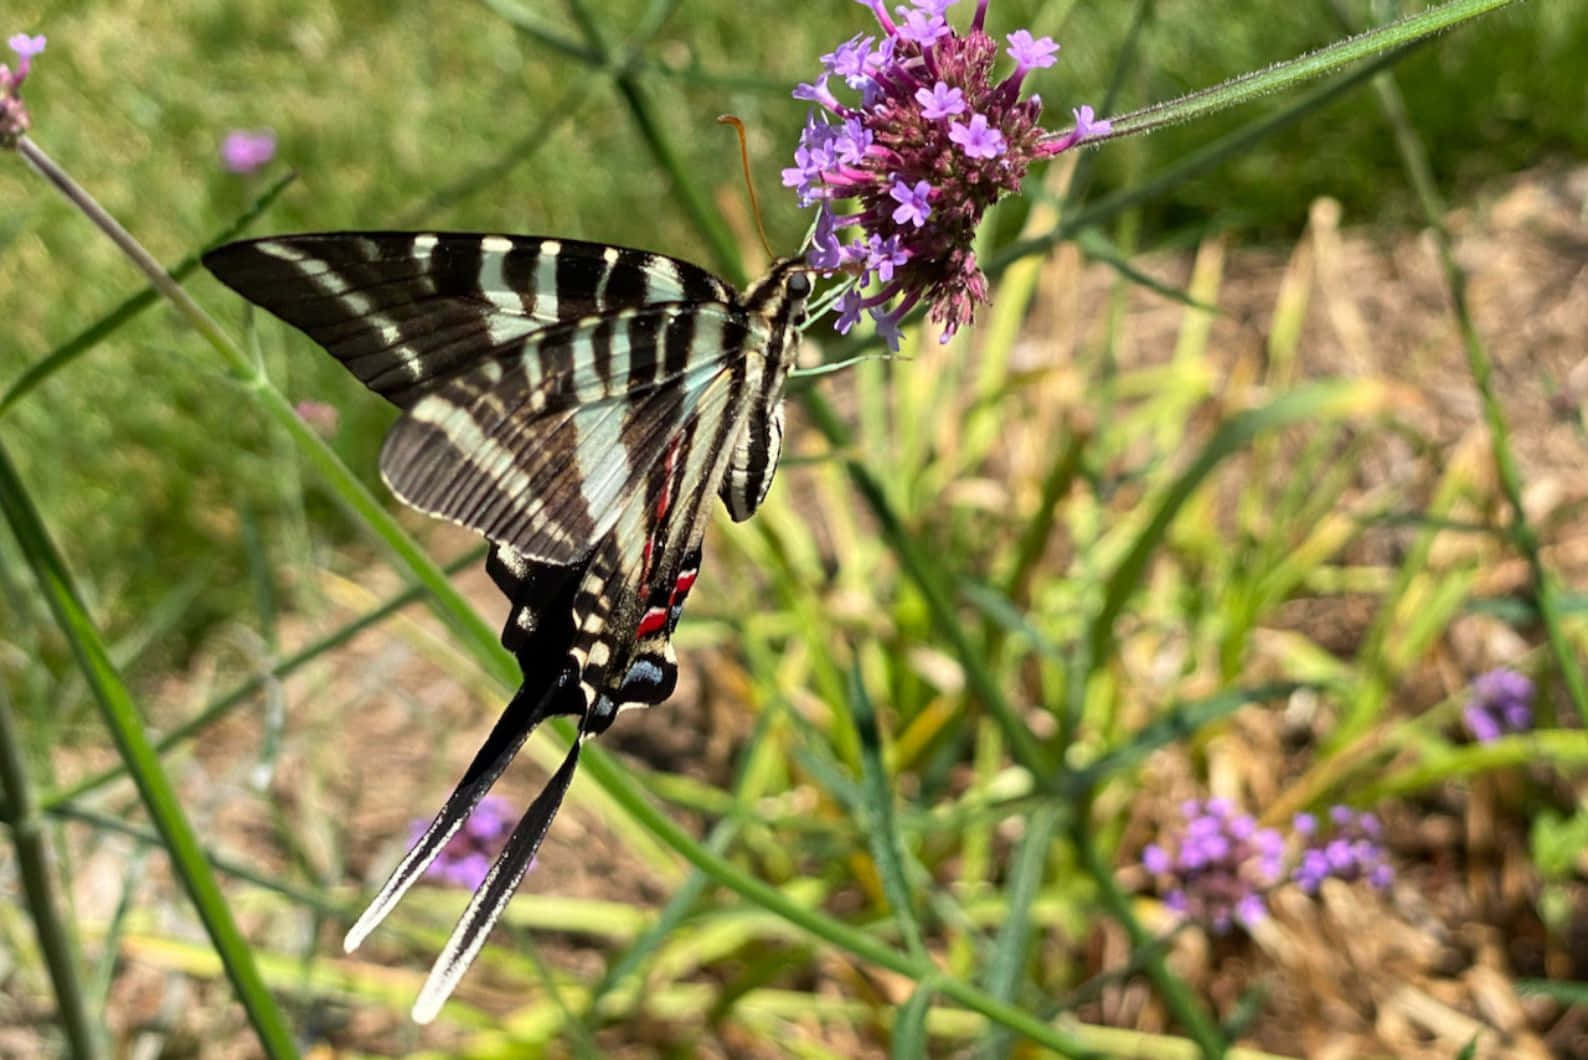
(549, 479)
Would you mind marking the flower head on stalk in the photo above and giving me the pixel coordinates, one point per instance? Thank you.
(1221, 867)
(14, 120)
(1501, 703)
(933, 140)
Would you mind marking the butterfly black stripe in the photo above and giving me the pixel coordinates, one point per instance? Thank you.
(579, 405)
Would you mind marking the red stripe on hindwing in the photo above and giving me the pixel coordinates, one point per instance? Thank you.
(664, 503)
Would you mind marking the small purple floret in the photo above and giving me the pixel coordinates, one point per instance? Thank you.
(940, 101)
(1349, 850)
(1222, 866)
(14, 119)
(1501, 703)
(243, 151)
(975, 138)
(921, 27)
(1087, 125)
(1030, 54)
(25, 46)
(914, 203)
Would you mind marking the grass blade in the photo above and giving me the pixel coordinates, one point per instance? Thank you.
(909, 1026)
(159, 798)
(56, 940)
(883, 833)
(1014, 934)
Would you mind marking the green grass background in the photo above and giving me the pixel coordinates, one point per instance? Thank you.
(176, 501)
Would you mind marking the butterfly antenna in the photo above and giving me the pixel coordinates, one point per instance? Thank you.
(744, 160)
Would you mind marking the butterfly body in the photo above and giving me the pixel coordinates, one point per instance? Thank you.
(579, 405)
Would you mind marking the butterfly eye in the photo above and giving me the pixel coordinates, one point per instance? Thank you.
(799, 285)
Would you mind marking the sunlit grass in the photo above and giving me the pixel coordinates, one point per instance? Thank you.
(1093, 517)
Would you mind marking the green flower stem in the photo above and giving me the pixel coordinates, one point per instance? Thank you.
(56, 940)
(1524, 537)
(1565, 749)
(106, 822)
(1002, 975)
(887, 850)
(1412, 28)
(126, 726)
(90, 336)
(1206, 158)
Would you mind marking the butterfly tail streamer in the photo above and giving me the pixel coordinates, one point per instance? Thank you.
(496, 891)
(518, 720)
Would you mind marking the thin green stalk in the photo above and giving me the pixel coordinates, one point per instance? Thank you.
(126, 726)
(1310, 403)
(109, 822)
(1022, 744)
(883, 834)
(1522, 533)
(1205, 158)
(1409, 30)
(1014, 934)
(57, 942)
(707, 221)
(90, 336)
(722, 837)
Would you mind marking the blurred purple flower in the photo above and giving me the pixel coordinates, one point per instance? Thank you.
(1221, 866)
(14, 120)
(468, 855)
(244, 150)
(26, 48)
(1501, 703)
(911, 171)
(1350, 849)
(320, 416)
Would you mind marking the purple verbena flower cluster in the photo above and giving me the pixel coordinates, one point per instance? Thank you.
(14, 121)
(468, 855)
(933, 141)
(1222, 865)
(244, 150)
(1350, 849)
(1501, 703)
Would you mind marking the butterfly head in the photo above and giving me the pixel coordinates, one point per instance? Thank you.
(782, 293)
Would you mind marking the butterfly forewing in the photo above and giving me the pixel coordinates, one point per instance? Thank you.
(578, 404)
(403, 310)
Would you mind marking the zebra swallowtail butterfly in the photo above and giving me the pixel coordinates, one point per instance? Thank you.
(576, 403)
